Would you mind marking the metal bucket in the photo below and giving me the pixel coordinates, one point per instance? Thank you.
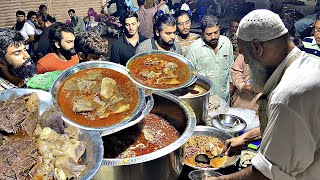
(199, 103)
(163, 164)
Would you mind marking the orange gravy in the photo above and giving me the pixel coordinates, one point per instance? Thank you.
(136, 66)
(126, 87)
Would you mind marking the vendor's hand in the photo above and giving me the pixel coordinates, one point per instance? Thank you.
(235, 145)
(246, 88)
(211, 178)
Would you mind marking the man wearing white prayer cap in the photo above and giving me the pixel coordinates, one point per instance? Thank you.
(289, 113)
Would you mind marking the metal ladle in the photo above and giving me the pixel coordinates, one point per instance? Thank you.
(204, 159)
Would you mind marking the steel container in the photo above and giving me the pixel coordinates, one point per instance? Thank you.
(199, 103)
(192, 78)
(163, 164)
(222, 136)
(99, 64)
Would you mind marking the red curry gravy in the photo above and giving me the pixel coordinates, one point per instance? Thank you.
(143, 63)
(125, 86)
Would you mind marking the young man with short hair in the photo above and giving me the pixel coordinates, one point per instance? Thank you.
(62, 43)
(184, 37)
(164, 36)
(125, 47)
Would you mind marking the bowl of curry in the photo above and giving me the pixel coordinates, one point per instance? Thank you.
(161, 70)
(98, 96)
(210, 141)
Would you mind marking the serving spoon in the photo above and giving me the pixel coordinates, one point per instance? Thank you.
(204, 159)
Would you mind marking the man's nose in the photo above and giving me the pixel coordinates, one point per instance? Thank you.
(26, 55)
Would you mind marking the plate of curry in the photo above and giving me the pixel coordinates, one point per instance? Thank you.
(97, 96)
(161, 70)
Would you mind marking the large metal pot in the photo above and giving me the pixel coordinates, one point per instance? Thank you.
(199, 103)
(164, 164)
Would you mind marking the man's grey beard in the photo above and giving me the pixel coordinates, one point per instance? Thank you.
(258, 73)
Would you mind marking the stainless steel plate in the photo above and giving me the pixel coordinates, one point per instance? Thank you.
(222, 136)
(93, 155)
(193, 73)
(97, 64)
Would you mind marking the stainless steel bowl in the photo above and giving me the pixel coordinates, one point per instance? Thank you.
(93, 155)
(199, 103)
(163, 164)
(222, 136)
(97, 64)
(201, 174)
(228, 122)
(193, 73)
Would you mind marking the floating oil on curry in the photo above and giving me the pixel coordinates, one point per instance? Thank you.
(98, 97)
(159, 71)
(208, 145)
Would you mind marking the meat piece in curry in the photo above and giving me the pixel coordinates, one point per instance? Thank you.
(98, 97)
(159, 71)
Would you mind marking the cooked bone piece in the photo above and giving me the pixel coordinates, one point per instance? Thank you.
(85, 85)
(166, 80)
(59, 145)
(108, 87)
(172, 66)
(82, 104)
(122, 108)
(69, 167)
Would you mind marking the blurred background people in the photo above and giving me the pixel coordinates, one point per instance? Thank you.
(90, 46)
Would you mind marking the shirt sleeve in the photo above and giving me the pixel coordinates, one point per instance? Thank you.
(41, 69)
(288, 144)
(237, 71)
(115, 57)
(190, 54)
(231, 59)
(29, 29)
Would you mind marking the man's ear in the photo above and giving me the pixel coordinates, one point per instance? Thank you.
(3, 64)
(81, 56)
(57, 45)
(138, 24)
(157, 33)
(258, 47)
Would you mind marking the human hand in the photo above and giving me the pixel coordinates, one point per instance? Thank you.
(235, 145)
(246, 88)
(211, 178)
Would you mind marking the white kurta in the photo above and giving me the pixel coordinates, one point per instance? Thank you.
(290, 147)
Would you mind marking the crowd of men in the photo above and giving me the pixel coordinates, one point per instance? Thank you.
(255, 65)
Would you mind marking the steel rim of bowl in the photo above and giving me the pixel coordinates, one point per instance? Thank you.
(100, 151)
(96, 64)
(193, 73)
(166, 150)
(206, 128)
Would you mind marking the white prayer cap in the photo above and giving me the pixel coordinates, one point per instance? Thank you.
(261, 25)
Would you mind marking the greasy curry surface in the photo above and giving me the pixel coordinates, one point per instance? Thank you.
(159, 71)
(98, 97)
